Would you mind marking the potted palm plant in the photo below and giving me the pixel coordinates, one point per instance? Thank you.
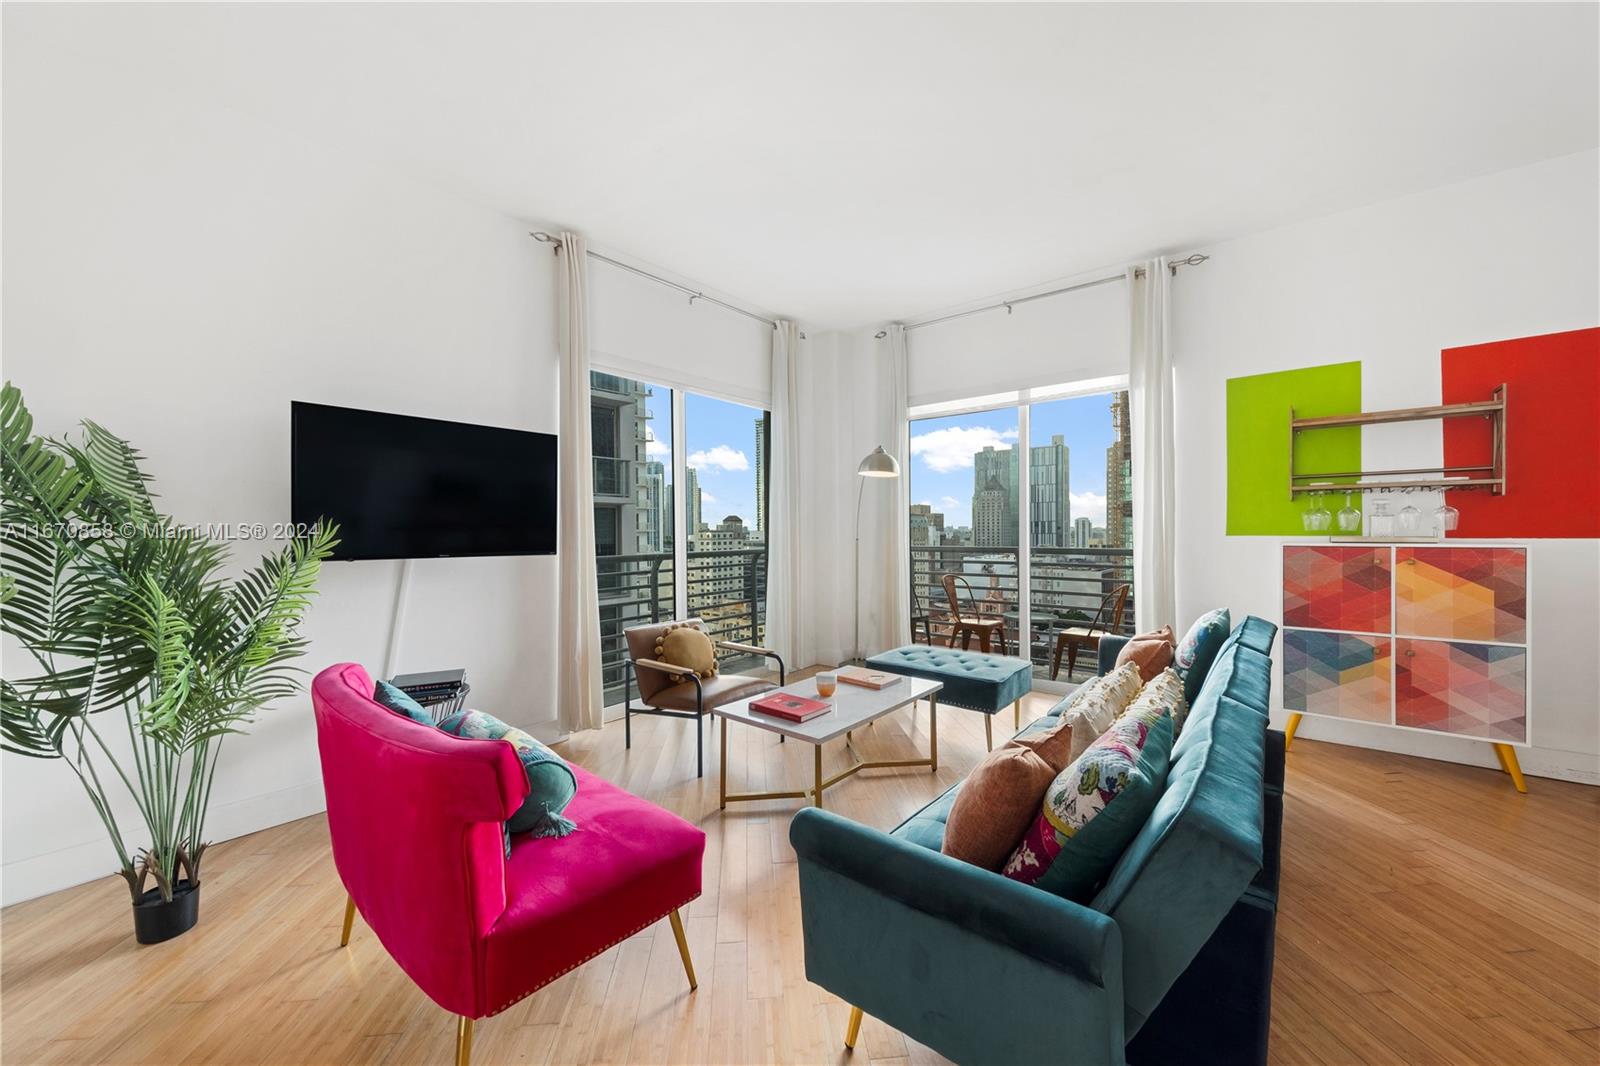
(141, 655)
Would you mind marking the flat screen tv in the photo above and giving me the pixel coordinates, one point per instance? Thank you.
(419, 488)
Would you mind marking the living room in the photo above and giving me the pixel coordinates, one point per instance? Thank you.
(723, 339)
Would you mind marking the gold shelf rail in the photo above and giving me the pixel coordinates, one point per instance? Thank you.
(1449, 477)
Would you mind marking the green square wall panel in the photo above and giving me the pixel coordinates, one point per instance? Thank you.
(1258, 442)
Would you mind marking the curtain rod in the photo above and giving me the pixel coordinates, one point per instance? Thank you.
(1172, 265)
(693, 294)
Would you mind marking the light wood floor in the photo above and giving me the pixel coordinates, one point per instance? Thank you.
(1429, 914)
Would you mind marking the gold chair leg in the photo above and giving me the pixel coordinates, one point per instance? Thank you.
(349, 919)
(683, 949)
(852, 1028)
(463, 1041)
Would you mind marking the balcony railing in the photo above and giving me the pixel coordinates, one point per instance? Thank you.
(727, 589)
(611, 477)
(1065, 586)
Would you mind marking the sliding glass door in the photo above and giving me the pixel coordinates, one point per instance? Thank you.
(972, 569)
(667, 460)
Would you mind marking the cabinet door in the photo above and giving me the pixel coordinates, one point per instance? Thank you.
(1336, 586)
(1343, 675)
(1469, 593)
(1459, 687)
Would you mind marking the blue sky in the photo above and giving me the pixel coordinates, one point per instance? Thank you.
(942, 450)
(721, 439)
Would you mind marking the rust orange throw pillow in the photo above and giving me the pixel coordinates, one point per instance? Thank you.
(997, 803)
(1054, 746)
(1150, 652)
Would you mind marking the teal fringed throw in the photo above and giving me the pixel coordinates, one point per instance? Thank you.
(551, 783)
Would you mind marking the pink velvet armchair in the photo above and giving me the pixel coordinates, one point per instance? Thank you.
(415, 816)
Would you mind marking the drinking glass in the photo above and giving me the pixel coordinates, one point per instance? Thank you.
(1410, 520)
(827, 682)
(1447, 517)
(1349, 517)
(1380, 522)
(1321, 518)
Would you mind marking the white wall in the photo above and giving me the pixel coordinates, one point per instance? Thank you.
(1509, 255)
(179, 272)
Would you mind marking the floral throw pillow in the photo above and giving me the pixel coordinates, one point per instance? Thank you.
(1198, 650)
(1095, 807)
(551, 782)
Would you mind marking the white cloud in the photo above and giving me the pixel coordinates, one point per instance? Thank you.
(1090, 505)
(952, 448)
(706, 497)
(720, 457)
(949, 503)
(654, 448)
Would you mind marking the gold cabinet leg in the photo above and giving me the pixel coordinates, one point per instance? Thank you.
(988, 731)
(723, 787)
(852, 1028)
(349, 919)
(683, 949)
(1288, 730)
(1508, 762)
(817, 748)
(463, 1041)
(933, 733)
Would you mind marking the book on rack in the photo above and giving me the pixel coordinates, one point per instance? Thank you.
(791, 708)
(874, 679)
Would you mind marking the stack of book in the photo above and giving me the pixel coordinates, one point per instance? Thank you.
(434, 687)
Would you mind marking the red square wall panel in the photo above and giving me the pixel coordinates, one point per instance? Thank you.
(1552, 434)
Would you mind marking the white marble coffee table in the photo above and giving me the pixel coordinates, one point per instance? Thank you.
(853, 707)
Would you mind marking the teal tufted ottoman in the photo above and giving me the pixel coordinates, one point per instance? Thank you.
(971, 679)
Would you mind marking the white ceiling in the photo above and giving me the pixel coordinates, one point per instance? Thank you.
(847, 164)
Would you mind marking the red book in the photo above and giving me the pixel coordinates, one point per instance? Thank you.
(793, 708)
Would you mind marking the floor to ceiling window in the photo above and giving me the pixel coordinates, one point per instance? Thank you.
(648, 441)
(968, 514)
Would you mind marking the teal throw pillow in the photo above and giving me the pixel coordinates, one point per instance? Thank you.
(397, 701)
(551, 782)
(1198, 650)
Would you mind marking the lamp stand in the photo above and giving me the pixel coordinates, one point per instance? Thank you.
(855, 647)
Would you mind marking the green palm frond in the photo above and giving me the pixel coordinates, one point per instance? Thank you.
(115, 466)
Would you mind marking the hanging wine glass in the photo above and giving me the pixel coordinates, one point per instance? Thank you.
(1447, 517)
(1349, 517)
(1410, 519)
(1323, 519)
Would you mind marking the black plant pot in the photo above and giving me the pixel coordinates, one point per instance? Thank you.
(156, 919)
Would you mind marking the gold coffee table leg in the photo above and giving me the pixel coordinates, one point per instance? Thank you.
(722, 791)
(817, 748)
(933, 732)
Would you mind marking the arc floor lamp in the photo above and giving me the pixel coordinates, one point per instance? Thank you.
(878, 463)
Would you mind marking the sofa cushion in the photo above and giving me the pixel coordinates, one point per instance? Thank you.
(1094, 807)
(1198, 649)
(398, 701)
(1151, 652)
(997, 801)
(1102, 700)
(926, 827)
(551, 782)
(972, 680)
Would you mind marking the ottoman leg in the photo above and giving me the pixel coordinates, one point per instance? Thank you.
(988, 731)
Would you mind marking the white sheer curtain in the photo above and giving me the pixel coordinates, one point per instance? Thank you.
(579, 702)
(788, 589)
(897, 617)
(1150, 396)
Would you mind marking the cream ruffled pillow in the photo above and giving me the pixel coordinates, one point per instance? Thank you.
(1102, 701)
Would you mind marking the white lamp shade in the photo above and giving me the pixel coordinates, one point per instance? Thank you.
(879, 464)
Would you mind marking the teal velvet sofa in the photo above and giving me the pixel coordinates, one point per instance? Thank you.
(985, 969)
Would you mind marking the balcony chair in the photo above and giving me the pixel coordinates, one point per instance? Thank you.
(927, 625)
(971, 621)
(416, 818)
(1107, 619)
(678, 692)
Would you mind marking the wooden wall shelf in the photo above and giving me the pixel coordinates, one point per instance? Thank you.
(1449, 477)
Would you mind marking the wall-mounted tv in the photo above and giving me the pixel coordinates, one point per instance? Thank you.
(417, 488)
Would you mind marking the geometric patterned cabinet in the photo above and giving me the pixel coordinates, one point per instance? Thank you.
(1423, 637)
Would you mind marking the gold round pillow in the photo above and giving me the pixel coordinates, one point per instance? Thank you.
(686, 646)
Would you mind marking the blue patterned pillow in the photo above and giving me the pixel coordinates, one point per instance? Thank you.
(551, 782)
(386, 695)
(1198, 650)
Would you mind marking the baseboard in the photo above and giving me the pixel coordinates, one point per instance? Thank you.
(77, 864)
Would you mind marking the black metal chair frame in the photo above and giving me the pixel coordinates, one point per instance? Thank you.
(699, 712)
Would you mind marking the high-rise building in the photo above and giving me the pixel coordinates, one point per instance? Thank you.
(721, 578)
(994, 522)
(655, 507)
(1119, 477)
(926, 525)
(1082, 529)
(1050, 494)
(995, 468)
(619, 424)
(761, 477)
(691, 506)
